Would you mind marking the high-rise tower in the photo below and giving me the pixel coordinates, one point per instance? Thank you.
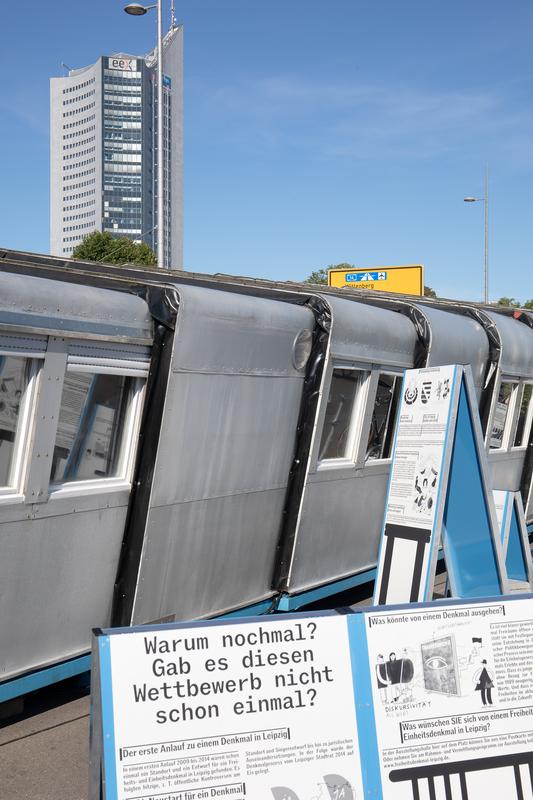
(103, 150)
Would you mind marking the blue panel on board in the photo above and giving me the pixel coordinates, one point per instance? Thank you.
(466, 533)
(364, 707)
(515, 563)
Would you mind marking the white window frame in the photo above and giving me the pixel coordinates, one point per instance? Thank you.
(13, 492)
(516, 415)
(509, 425)
(377, 370)
(359, 404)
(128, 445)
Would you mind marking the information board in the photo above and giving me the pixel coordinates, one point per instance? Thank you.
(439, 494)
(456, 719)
(400, 280)
(416, 701)
(235, 710)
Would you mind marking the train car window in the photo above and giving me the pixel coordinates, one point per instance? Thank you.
(501, 414)
(91, 427)
(381, 432)
(524, 416)
(338, 433)
(15, 374)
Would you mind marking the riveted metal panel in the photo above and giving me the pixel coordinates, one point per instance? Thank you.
(56, 579)
(516, 346)
(368, 333)
(506, 469)
(225, 434)
(223, 332)
(340, 528)
(457, 339)
(45, 305)
(207, 557)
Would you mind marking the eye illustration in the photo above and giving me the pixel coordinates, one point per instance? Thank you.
(436, 662)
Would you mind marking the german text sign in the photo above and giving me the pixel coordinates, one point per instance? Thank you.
(400, 703)
(242, 710)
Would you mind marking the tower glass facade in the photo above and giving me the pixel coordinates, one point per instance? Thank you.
(104, 155)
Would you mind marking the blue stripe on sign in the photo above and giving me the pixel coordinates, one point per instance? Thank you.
(364, 705)
(429, 575)
(354, 277)
(108, 728)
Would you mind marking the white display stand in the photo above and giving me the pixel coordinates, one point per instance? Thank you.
(416, 701)
(440, 495)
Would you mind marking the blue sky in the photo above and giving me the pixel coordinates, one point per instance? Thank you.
(315, 133)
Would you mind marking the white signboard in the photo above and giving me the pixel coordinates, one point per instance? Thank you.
(122, 63)
(428, 398)
(414, 703)
(244, 710)
(453, 699)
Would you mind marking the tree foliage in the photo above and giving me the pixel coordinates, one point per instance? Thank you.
(510, 302)
(108, 249)
(320, 276)
(429, 292)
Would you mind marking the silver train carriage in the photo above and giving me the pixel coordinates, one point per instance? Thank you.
(177, 446)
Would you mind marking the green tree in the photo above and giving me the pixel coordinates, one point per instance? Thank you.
(320, 276)
(429, 292)
(107, 249)
(510, 302)
(528, 304)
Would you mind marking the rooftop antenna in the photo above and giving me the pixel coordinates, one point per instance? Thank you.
(66, 66)
(172, 16)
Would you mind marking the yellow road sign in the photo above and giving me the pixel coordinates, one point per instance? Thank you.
(401, 280)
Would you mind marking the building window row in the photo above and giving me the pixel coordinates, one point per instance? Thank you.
(123, 97)
(78, 110)
(118, 73)
(78, 98)
(68, 198)
(78, 142)
(78, 122)
(121, 146)
(77, 134)
(79, 154)
(79, 175)
(122, 112)
(80, 205)
(85, 215)
(82, 226)
(66, 167)
(125, 158)
(111, 81)
(78, 86)
(133, 168)
(115, 229)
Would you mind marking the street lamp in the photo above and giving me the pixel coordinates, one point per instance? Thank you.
(486, 201)
(138, 10)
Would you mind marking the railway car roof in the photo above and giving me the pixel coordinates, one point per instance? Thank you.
(61, 307)
(370, 333)
(516, 345)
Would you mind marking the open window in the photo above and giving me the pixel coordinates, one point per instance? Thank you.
(381, 433)
(339, 431)
(501, 418)
(16, 374)
(92, 434)
(99, 416)
(525, 409)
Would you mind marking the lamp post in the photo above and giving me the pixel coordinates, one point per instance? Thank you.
(486, 201)
(138, 10)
